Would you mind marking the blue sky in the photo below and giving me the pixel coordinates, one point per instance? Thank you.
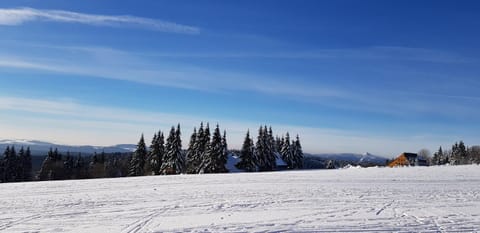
(347, 76)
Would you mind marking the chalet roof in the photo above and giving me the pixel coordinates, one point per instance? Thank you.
(410, 155)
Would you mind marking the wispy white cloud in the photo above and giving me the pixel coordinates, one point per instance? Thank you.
(137, 67)
(20, 16)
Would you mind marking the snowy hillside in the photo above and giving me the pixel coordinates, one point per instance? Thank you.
(40, 147)
(427, 199)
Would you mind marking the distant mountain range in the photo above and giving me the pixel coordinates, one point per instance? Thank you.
(348, 158)
(41, 147)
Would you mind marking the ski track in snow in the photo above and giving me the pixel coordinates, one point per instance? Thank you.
(416, 199)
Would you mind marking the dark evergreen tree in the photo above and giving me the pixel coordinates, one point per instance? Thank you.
(287, 152)
(193, 160)
(215, 159)
(19, 165)
(203, 147)
(27, 165)
(181, 161)
(97, 166)
(151, 155)
(157, 150)
(271, 156)
(223, 160)
(52, 166)
(173, 160)
(10, 164)
(297, 154)
(2, 170)
(68, 166)
(260, 150)
(137, 162)
(80, 169)
(438, 157)
(199, 149)
(247, 156)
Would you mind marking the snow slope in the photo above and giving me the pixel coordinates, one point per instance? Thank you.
(415, 199)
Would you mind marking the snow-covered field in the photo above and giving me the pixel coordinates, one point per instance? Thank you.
(421, 199)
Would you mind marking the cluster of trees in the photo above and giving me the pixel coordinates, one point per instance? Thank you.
(458, 155)
(206, 153)
(162, 158)
(16, 167)
(57, 166)
(267, 150)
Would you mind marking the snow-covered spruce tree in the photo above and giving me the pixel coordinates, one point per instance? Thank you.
(148, 169)
(286, 152)
(137, 162)
(154, 159)
(214, 162)
(221, 154)
(192, 159)
(297, 154)
(438, 157)
(260, 149)
(181, 161)
(52, 166)
(203, 149)
(193, 166)
(173, 161)
(247, 156)
(223, 160)
(271, 157)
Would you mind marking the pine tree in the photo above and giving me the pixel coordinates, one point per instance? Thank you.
(438, 157)
(287, 153)
(156, 154)
(47, 165)
(181, 161)
(203, 147)
(224, 158)
(150, 156)
(198, 151)
(68, 166)
(192, 159)
(19, 164)
(27, 165)
(247, 156)
(462, 153)
(271, 157)
(260, 150)
(297, 154)
(10, 163)
(137, 162)
(173, 160)
(220, 151)
(213, 158)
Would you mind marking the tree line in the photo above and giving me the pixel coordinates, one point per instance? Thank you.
(16, 167)
(207, 152)
(459, 154)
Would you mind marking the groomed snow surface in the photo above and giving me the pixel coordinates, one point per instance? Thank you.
(416, 199)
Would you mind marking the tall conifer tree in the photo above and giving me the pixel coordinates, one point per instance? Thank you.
(137, 162)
